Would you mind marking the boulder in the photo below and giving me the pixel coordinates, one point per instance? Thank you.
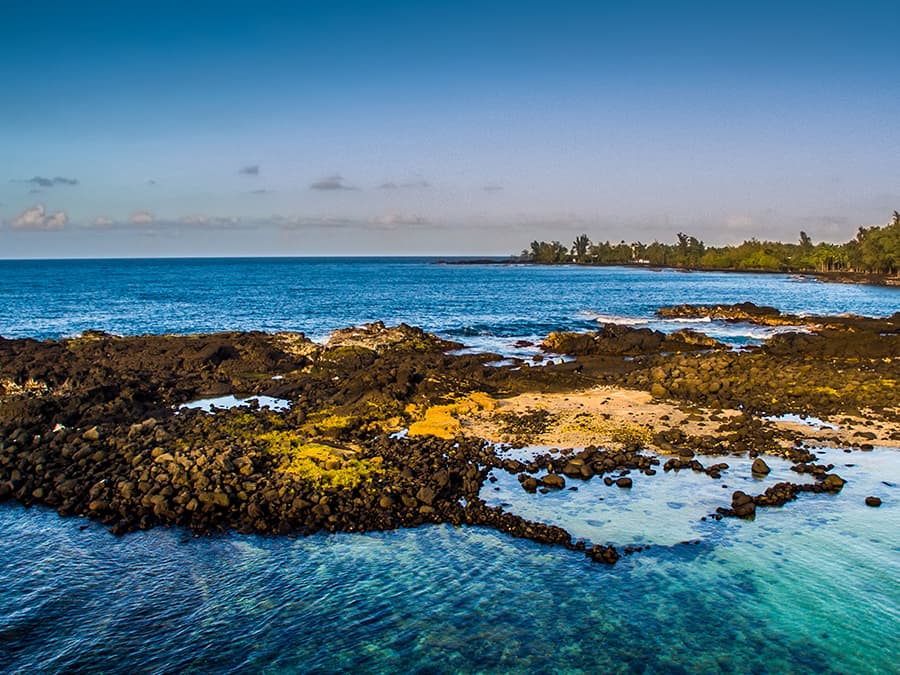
(552, 480)
(572, 470)
(873, 501)
(425, 495)
(530, 484)
(657, 390)
(604, 554)
(739, 498)
(760, 467)
(743, 505)
(833, 483)
(244, 465)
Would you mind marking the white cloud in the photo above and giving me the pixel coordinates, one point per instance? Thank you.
(390, 220)
(312, 222)
(102, 221)
(195, 219)
(739, 221)
(37, 218)
(141, 218)
(200, 220)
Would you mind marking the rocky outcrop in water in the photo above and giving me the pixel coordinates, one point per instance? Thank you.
(743, 311)
(615, 340)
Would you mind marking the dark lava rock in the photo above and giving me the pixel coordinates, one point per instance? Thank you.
(624, 482)
(552, 480)
(605, 554)
(760, 467)
(743, 311)
(743, 505)
(618, 340)
(425, 495)
(573, 469)
(119, 454)
(873, 501)
(530, 484)
(833, 483)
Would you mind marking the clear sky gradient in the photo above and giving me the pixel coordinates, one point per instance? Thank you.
(259, 128)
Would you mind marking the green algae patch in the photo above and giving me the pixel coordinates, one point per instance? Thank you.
(332, 424)
(318, 464)
(245, 426)
(624, 433)
(628, 433)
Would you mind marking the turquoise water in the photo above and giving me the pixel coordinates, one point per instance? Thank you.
(811, 587)
(808, 588)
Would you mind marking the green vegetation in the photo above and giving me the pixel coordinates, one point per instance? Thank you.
(322, 466)
(874, 250)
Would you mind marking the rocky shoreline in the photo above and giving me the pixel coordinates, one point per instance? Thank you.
(389, 427)
(836, 277)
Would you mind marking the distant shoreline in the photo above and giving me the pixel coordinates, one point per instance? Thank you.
(860, 278)
(846, 277)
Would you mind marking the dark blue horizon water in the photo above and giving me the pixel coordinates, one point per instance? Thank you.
(808, 588)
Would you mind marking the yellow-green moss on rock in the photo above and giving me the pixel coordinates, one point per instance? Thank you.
(320, 465)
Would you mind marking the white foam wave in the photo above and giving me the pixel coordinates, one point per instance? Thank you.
(615, 319)
(696, 319)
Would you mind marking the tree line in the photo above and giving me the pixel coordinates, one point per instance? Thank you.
(874, 250)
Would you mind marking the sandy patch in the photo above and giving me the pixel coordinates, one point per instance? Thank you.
(612, 415)
(597, 416)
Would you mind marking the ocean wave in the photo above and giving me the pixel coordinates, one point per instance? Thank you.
(615, 319)
(696, 319)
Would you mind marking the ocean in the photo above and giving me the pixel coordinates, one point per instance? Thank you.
(811, 587)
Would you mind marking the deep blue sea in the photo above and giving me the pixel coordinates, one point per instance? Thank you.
(812, 587)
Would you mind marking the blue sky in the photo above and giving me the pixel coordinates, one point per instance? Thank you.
(440, 127)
